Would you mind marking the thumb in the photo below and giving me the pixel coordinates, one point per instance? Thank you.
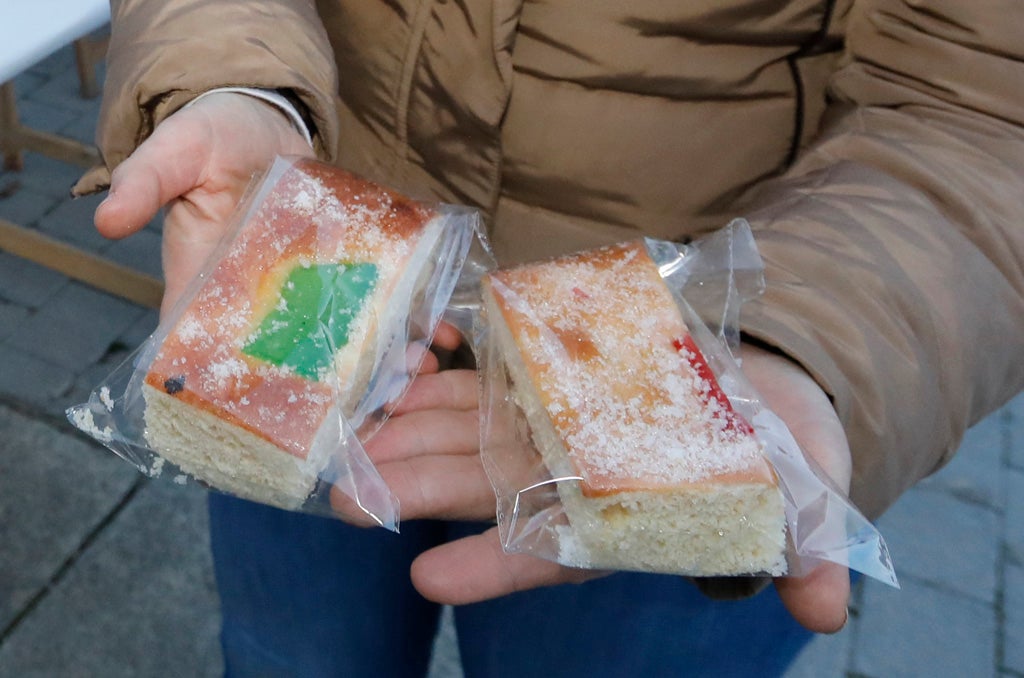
(819, 600)
(167, 165)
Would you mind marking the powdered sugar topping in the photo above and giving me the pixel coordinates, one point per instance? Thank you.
(302, 221)
(620, 377)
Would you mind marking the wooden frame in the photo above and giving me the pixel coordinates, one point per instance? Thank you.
(15, 138)
(30, 244)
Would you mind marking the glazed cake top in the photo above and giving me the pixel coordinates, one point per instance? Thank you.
(620, 376)
(260, 343)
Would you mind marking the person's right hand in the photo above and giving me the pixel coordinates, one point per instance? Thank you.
(197, 163)
(428, 454)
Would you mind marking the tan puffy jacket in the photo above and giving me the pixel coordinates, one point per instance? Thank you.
(876, 146)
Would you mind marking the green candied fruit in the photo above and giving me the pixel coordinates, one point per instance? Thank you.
(312, 318)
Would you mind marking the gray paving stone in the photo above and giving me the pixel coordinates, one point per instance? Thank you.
(27, 284)
(62, 91)
(45, 116)
(22, 205)
(825, 656)
(1015, 422)
(27, 379)
(49, 176)
(140, 330)
(124, 349)
(975, 473)
(11, 315)
(72, 222)
(444, 659)
(1013, 624)
(82, 128)
(1014, 522)
(26, 81)
(92, 378)
(141, 599)
(140, 251)
(919, 530)
(75, 328)
(55, 489)
(922, 631)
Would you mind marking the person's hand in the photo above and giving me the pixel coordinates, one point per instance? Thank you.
(197, 163)
(820, 599)
(428, 455)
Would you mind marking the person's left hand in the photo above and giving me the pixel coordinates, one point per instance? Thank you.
(428, 454)
(196, 165)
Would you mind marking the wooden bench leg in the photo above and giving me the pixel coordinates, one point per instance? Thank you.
(16, 138)
(9, 125)
(122, 281)
(89, 52)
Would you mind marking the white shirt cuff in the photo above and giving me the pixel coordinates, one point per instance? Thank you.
(272, 98)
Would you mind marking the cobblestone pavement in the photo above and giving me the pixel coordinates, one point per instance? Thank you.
(106, 573)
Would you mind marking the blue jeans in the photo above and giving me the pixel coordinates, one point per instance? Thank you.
(309, 596)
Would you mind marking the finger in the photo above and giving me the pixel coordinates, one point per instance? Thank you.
(476, 568)
(819, 600)
(446, 390)
(167, 165)
(808, 412)
(440, 487)
(447, 336)
(425, 362)
(419, 361)
(188, 242)
(181, 155)
(425, 433)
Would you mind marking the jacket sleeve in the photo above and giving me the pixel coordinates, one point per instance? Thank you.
(894, 246)
(164, 53)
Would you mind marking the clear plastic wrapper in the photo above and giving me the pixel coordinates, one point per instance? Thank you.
(619, 432)
(281, 358)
